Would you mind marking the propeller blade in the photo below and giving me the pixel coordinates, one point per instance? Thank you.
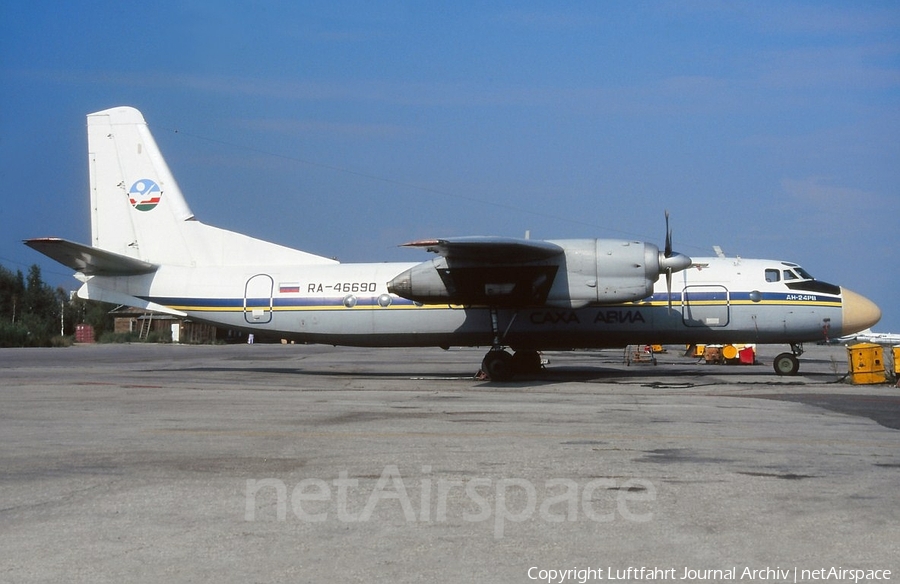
(668, 251)
(669, 286)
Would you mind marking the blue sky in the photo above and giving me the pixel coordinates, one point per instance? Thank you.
(346, 128)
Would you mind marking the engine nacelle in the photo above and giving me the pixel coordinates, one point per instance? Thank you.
(605, 271)
(588, 271)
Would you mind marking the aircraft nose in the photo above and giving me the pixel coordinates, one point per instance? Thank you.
(857, 312)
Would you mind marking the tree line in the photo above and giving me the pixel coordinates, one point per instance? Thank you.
(34, 314)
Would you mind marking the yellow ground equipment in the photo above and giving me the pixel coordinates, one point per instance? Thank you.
(730, 354)
(866, 364)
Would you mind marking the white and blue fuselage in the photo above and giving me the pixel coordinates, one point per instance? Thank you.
(716, 300)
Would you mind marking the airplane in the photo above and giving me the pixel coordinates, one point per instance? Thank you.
(149, 251)
(870, 336)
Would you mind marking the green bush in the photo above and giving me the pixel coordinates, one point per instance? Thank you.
(13, 335)
(110, 337)
(153, 337)
(159, 337)
(58, 341)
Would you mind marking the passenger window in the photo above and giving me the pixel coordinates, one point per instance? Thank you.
(789, 275)
(772, 276)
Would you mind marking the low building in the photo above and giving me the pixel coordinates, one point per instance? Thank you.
(176, 329)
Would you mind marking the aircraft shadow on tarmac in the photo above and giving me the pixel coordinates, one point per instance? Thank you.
(882, 409)
(664, 375)
(548, 375)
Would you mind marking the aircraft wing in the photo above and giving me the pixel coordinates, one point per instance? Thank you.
(495, 271)
(498, 271)
(493, 250)
(91, 261)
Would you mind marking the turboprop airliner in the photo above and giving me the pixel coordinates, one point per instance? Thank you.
(148, 251)
(870, 336)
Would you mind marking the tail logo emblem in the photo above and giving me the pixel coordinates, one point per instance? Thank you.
(144, 195)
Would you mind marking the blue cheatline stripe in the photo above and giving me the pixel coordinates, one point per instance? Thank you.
(740, 298)
(237, 304)
(337, 302)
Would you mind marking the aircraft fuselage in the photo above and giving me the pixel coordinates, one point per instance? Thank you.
(717, 300)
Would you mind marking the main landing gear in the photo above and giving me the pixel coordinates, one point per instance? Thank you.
(787, 363)
(501, 365)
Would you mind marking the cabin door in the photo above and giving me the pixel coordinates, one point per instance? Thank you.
(706, 306)
(258, 299)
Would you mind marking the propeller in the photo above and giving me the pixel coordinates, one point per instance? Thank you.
(671, 261)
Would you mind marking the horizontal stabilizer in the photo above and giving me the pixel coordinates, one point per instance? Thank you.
(91, 261)
(489, 249)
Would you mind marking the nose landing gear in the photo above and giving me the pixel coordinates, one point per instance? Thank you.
(788, 363)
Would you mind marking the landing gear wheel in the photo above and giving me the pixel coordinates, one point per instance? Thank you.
(498, 365)
(526, 362)
(786, 364)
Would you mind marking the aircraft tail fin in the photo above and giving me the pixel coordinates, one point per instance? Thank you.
(138, 210)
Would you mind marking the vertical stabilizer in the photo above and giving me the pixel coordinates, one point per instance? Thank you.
(137, 209)
(133, 193)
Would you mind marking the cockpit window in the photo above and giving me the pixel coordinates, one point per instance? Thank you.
(773, 275)
(803, 273)
(806, 283)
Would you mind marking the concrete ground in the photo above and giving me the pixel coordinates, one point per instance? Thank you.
(271, 463)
